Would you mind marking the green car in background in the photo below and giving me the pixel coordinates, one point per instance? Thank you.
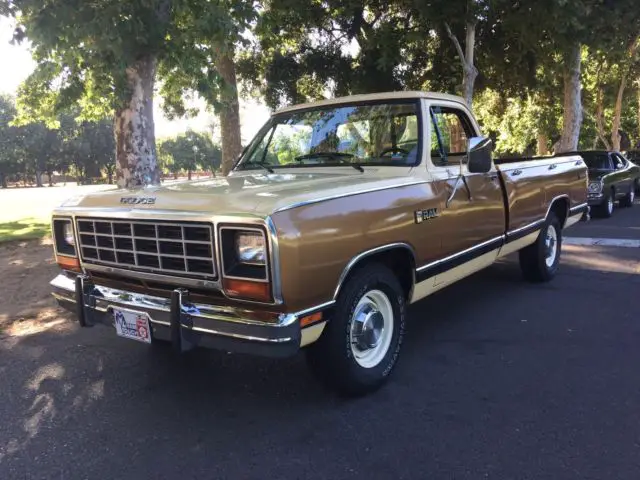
(612, 178)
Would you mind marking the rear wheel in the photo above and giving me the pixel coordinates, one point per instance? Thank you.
(361, 342)
(539, 262)
(629, 198)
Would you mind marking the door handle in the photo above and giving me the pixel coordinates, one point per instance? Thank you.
(516, 172)
(553, 166)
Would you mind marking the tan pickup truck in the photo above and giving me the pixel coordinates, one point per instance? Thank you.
(337, 215)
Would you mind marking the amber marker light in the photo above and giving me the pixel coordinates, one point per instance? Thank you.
(247, 289)
(310, 319)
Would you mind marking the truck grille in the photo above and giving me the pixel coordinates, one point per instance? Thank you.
(171, 248)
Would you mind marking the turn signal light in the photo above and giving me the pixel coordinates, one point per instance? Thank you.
(310, 319)
(245, 289)
(68, 263)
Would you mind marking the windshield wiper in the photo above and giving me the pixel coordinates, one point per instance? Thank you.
(332, 155)
(264, 165)
(335, 155)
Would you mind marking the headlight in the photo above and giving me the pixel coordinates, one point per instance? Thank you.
(250, 248)
(68, 234)
(595, 187)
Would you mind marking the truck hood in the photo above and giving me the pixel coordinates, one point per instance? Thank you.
(259, 194)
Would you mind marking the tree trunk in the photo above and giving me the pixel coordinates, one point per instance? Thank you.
(543, 144)
(136, 161)
(39, 179)
(189, 174)
(617, 113)
(638, 144)
(469, 70)
(600, 118)
(230, 112)
(3, 180)
(50, 175)
(572, 114)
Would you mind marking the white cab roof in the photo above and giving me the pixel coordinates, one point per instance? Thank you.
(375, 97)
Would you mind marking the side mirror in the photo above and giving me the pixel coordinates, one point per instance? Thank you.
(479, 155)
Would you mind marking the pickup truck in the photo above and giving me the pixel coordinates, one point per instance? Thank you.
(337, 216)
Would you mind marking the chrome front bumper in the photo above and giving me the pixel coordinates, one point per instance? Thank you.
(186, 325)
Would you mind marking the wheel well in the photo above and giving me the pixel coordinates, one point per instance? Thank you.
(561, 209)
(399, 260)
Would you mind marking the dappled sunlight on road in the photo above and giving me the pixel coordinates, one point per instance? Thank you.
(598, 259)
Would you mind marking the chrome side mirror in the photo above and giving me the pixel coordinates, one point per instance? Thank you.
(479, 154)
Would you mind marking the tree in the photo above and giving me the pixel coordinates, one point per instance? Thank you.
(213, 34)
(104, 55)
(189, 152)
(9, 140)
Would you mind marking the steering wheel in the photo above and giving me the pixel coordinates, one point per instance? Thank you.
(393, 150)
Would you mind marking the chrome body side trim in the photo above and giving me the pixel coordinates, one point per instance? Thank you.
(578, 208)
(274, 255)
(482, 245)
(352, 263)
(530, 226)
(348, 194)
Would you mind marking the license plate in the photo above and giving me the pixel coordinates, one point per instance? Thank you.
(133, 325)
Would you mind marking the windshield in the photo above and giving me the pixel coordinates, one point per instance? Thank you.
(358, 135)
(597, 161)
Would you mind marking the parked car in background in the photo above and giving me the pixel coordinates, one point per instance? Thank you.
(612, 178)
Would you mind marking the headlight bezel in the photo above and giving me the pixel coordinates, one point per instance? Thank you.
(59, 227)
(595, 187)
(231, 265)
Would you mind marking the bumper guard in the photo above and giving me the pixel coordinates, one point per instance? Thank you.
(186, 325)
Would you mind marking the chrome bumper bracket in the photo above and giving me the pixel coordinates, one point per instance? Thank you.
(182, 337)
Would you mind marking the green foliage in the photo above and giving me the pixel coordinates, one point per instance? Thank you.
(189, 152)
(29, 150)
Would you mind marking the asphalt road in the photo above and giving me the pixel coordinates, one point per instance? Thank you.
(498, 379)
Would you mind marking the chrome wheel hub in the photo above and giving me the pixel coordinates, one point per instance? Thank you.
(610, 205)
(368, 327)
(371, 329)
(551, 245)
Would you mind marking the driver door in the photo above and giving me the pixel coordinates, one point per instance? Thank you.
(472, 204)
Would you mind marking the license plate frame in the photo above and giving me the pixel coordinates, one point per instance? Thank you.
(132, 324)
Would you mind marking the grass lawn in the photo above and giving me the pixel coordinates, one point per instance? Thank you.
(26, 212)
(25, 229)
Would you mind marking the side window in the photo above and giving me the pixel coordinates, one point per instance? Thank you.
(450, 132)
(618, 161)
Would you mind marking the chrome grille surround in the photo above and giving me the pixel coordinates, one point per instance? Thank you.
(164, 247)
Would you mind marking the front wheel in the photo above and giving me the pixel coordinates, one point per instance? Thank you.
(361, 342)
(540, 261)
(606, 209)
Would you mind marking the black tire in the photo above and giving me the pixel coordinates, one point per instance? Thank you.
(636, 185)
(332, 358)
(608, 206)
(629, 198)
(533, 259)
